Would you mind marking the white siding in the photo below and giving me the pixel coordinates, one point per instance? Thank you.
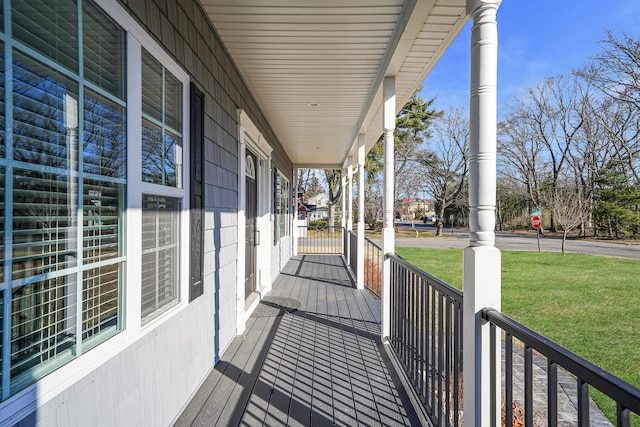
(147, 383)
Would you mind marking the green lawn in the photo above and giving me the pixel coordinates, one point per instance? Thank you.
(588, 304)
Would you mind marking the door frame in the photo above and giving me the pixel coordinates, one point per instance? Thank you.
(252, 181)
(250, 138)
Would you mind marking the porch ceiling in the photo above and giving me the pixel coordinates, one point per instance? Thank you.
(316, 67)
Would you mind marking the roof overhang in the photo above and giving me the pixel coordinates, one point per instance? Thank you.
(316, 67)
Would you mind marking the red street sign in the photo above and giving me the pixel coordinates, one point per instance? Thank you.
(535, 222)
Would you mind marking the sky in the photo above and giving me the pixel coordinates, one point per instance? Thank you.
(537, 39)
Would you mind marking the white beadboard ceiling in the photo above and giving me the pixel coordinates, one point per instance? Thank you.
(315, 67)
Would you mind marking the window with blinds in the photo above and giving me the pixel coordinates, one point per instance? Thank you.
(160, 236)
(161, 124)
(48, 27)
(63, 174)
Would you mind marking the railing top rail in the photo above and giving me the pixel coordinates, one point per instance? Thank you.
(626, 394)
(442, 286)
(366, 239)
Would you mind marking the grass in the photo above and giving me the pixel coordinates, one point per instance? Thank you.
(587, 304)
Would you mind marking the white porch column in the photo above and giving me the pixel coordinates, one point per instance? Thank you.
(388, 237)
(361, 258)
(343, 182)
(350, 194)
(296, 213)
(481, 257)
(343, 222)
(348, 199)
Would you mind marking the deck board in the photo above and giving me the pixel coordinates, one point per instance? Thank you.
(318, 363)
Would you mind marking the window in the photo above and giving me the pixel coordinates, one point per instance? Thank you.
(160, 236)
(161, 164)
(161, 124)
(281, 202)
(63, 173)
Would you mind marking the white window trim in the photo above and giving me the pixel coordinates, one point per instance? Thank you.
(136, 187)
(287, 207)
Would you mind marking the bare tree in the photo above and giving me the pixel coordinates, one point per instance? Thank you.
(373, 196)
(444, 164)
(308, 182)
(334, 185)
(618, 117)
(569, 210)
(512, 202)
(552, 113)
(571, 129)
(520, 154)
(616, 70)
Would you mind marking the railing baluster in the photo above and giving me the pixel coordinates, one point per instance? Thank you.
(416, 326)
(457, 370)
(409, 323)
(394, 311)
(448, 359)
(493, 372)
(399, 302)
(622, 416)
(405, 307)
(429, 348)
(423, 331)
(408, 319)
(552, 392)
(508, 380)
(414, 329)
(403, 280)
(528, 385)
(432, 356)
(583, 403)
(440, 352)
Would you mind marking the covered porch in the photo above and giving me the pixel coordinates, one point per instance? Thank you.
(331, 79)
(311, 354)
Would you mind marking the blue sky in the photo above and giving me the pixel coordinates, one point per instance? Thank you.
(536, 39)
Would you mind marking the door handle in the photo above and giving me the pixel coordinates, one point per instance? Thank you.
(256, 237)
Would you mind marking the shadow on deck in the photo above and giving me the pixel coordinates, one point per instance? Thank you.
(310, 355)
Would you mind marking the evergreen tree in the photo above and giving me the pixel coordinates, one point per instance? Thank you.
(617, 201)
(412, 129)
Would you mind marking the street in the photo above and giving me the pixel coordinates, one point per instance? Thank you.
(459, 239)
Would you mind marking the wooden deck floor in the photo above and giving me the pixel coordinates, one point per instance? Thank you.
(311, 356)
